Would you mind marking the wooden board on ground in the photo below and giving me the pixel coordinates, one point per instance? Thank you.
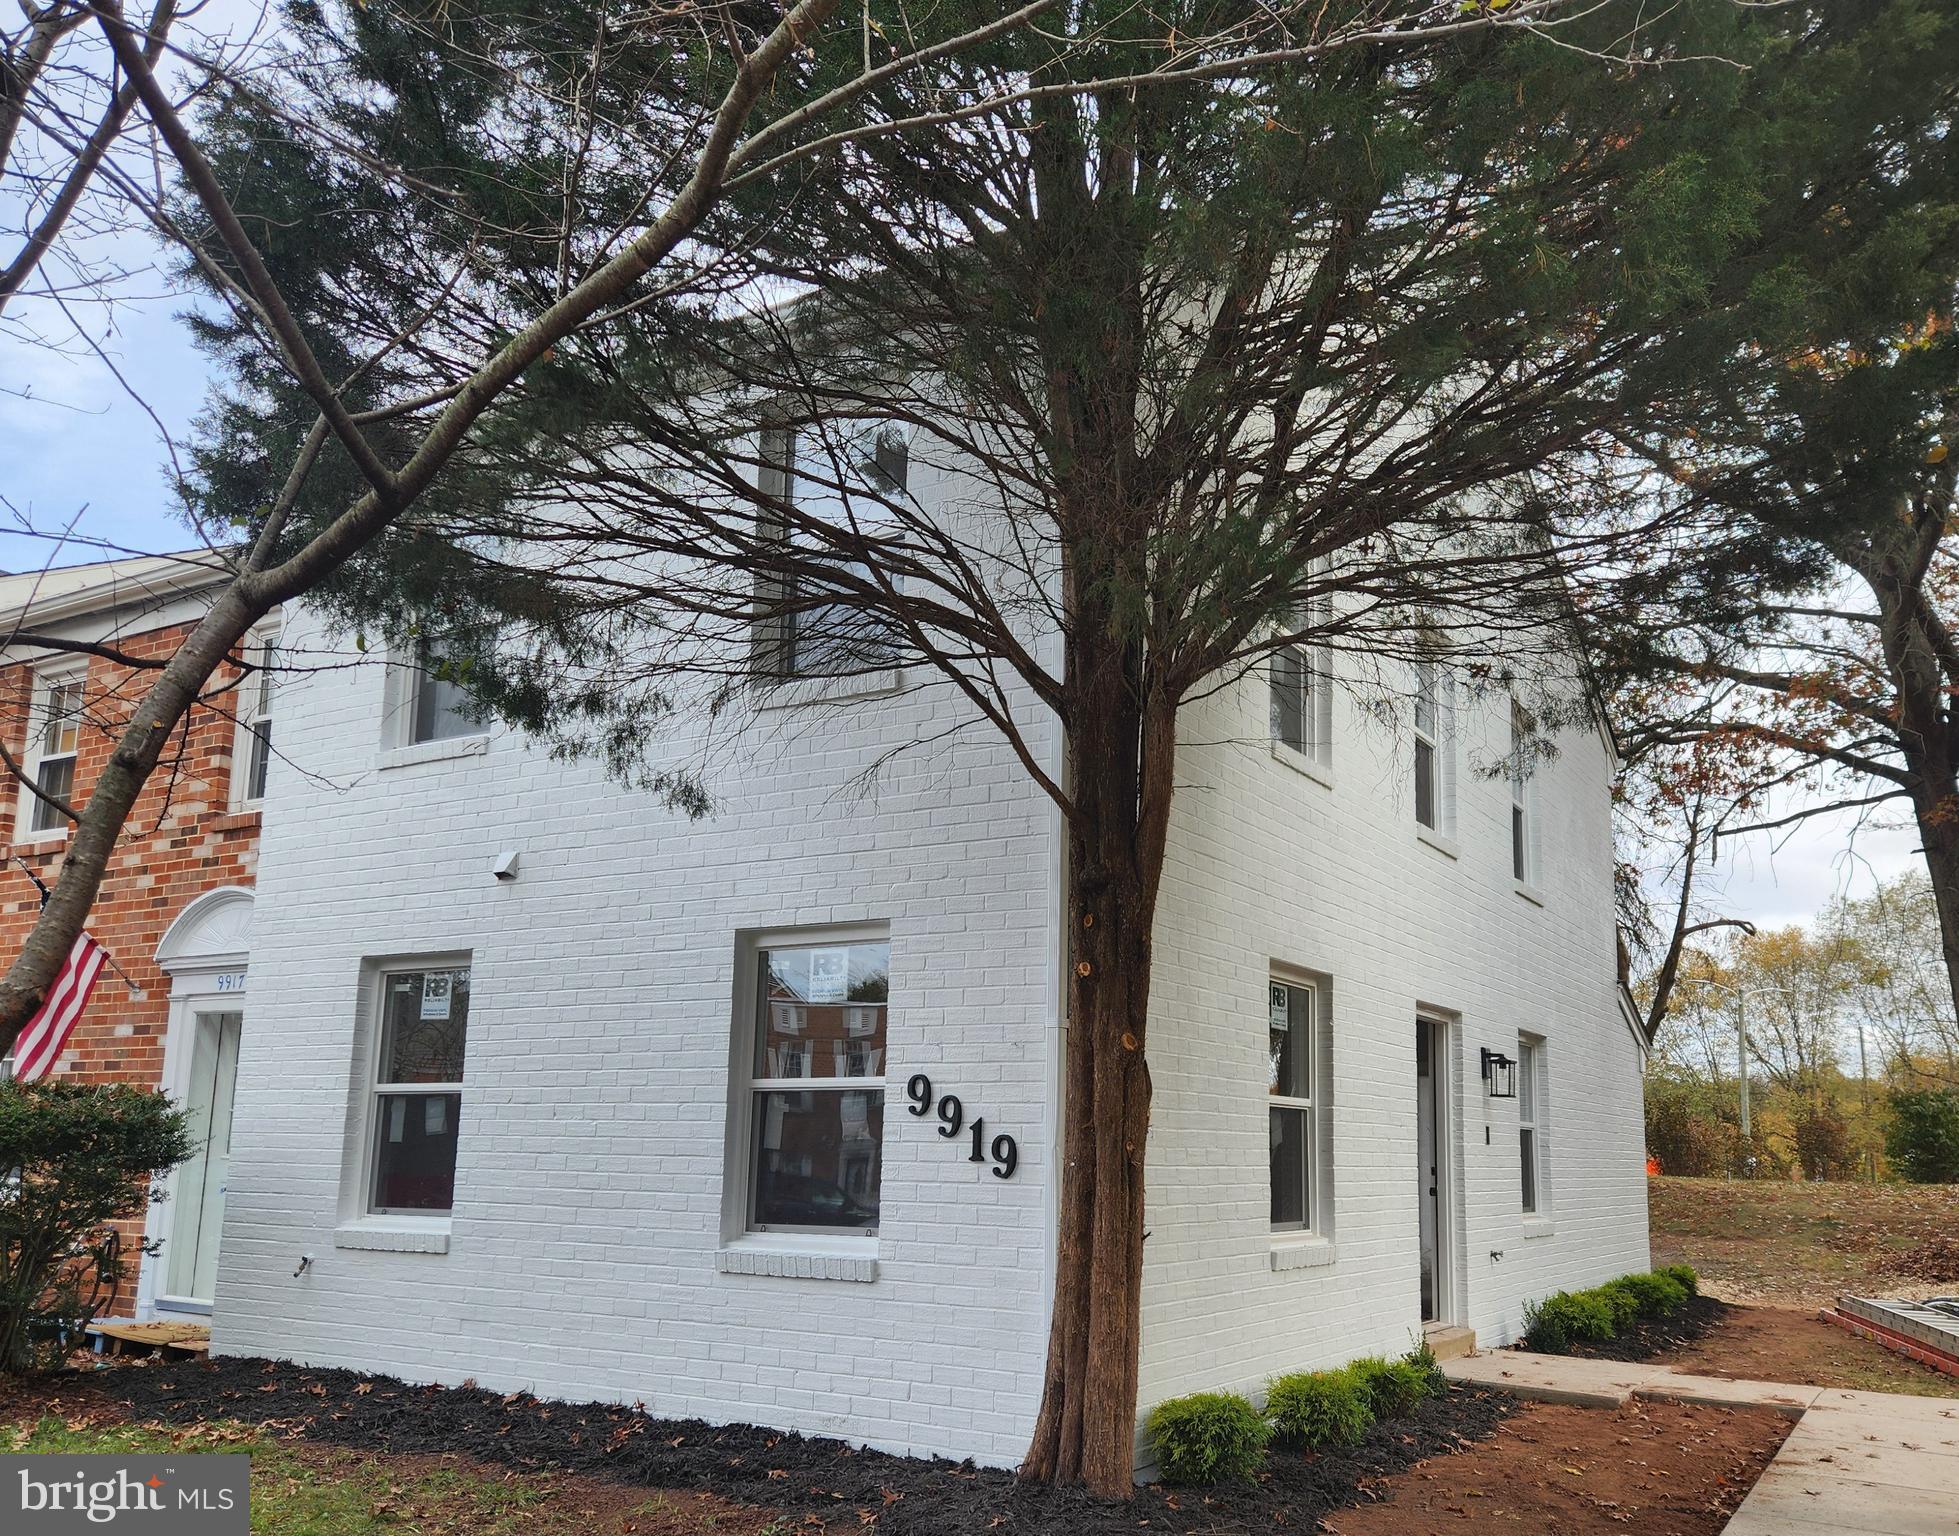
(177, 1339)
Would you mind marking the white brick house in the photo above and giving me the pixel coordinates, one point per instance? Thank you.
(622, 1138)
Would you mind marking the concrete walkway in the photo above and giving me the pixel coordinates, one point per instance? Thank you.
(1859, 1463)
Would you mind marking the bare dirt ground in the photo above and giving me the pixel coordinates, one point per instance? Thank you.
(1794, 1344)
(1788, 1244)
(1649, 1469)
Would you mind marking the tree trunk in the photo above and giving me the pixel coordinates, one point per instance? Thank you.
(1120, 750)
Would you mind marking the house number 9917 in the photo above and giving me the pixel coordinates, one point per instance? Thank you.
(952, 1119)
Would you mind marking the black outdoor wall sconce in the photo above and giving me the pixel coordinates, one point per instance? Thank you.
(1499, 1075)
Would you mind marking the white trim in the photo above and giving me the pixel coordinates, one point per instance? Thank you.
(793, 691)
(1524, 817)
(384, 1234)
(1312, 1104)
(1444, 1082)
(1293, 1250)
(262, 637)
(46, 680)
(1299, 762)
(201, 919)
(799, 1256)
(738, 1173)
(358, 1203)
(440, 750)
(1533, 1115)
(1446, 846)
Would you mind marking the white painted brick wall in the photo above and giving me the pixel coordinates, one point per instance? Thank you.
(1269, 866)
(584, 1254)
(583, 1258)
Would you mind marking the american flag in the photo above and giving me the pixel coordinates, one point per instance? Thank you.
(45, 1034)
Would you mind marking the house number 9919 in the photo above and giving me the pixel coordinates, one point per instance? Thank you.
(952, 1119)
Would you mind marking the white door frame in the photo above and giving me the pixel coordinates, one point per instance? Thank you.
(204, 952)
(1443, 1075)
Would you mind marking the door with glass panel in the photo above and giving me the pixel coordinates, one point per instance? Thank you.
(197, 1203)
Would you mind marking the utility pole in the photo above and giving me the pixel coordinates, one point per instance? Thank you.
(1747, 1134)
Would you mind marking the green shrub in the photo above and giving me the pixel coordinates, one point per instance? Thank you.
(1684, 1275)
(82, 1157)
(1394, 1388)
(1657, 1295)
(1922, 1138)
(1318, 1408)
(1422, 1359)
(1207, 1437)
(1621, 1300)
(1566, 1318)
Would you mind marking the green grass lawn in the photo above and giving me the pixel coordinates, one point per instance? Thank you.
(1772, 1240)
(306, 1490)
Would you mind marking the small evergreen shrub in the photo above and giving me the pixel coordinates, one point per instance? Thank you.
(1566, 1318)
(1320, 1408)
(1394, 1388)
(1621, 1301)
(1657, 1295)
(1684, 1275)
(1207, 1437)
(81, 1157)
(1422, 1359)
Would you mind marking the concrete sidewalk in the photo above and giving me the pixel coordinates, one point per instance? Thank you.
(1861, 1463)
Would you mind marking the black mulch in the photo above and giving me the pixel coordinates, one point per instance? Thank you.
(824, 1482)
(1655, 1336)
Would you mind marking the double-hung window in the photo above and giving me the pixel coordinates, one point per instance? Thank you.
(816, 1087)
(417, 1090)
(1301, 710)
(254, 755)
(838, 480)
(1431, 747)
(1530, 1130)
(1292, 1100)
(441, 702)
(55, 743)
(1523, 798)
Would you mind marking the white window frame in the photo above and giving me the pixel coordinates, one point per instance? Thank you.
(40, 718)
(1531, 1117)
(374, 1091)
(738, 1182)
(1312, 704)
(1523, 799)
(1312, 1105)
(260, 648)
(1432, 690)
(775, 640)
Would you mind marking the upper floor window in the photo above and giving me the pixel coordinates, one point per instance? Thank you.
(1301, 701)
(840, 474)
(254, 753)
(417, 1090)
(1431, 745)
(1523, 798)
(441, 703)
(54, 743)
(1293, 1101)
(815, 1092)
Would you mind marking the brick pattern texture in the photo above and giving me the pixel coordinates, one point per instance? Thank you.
(182, 840)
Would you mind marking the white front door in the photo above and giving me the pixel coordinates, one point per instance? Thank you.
(196, 1217)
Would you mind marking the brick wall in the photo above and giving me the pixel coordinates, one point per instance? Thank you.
(181, 840)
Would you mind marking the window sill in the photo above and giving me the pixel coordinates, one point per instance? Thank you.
(1299, 762)
(41, 842)
(435, 751)
(1530, 893)
(245, 819)
(1446, 846)
(1313, 1252)
(1539, 1226)
(789, 692)
(385, 1234)
(791, 1257)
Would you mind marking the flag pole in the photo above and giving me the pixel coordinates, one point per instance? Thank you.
(136, 993)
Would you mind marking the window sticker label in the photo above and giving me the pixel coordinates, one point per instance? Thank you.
(1281, 1006)
(829, 975)
(436, 995)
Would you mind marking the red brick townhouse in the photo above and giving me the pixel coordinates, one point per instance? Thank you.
(175, 911)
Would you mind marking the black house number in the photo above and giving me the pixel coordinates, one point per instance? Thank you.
(952, 1119)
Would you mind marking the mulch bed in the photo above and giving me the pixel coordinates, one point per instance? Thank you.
(1657, 1335)
(825, 1483)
